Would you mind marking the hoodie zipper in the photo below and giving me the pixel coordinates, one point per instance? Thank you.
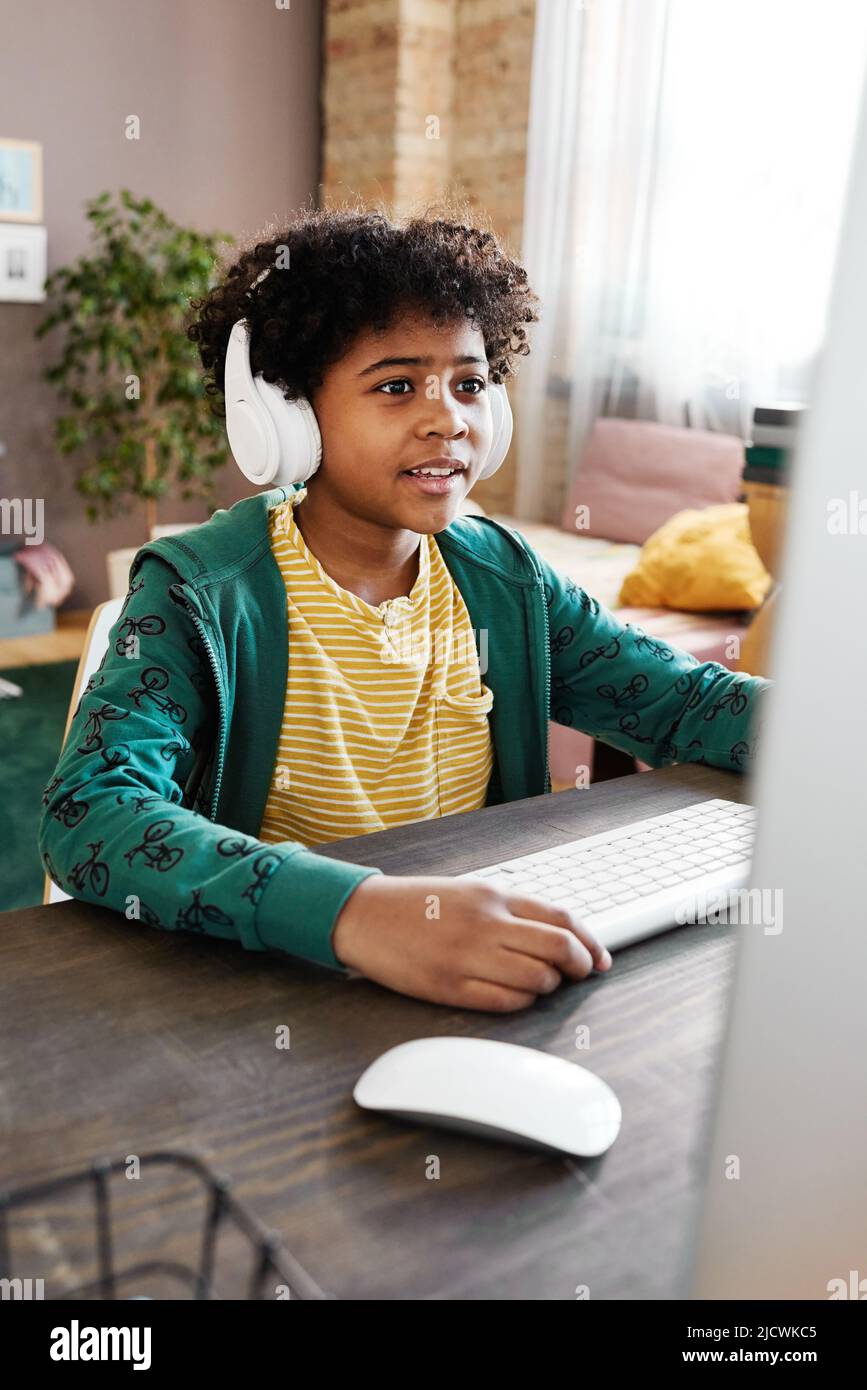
(547, 783)
(177, 590)
(516, 539)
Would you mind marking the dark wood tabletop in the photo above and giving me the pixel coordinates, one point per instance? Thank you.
(119, 1039)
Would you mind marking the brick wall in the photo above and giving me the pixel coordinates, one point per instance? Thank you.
(429, 98)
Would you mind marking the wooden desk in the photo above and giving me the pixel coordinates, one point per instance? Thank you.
(118, 1039)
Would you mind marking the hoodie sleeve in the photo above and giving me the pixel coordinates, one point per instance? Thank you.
(655, 701)
(115, 830)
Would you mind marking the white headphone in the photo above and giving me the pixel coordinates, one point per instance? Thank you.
(278, 441)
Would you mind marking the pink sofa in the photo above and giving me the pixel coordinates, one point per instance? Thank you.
(633, 476)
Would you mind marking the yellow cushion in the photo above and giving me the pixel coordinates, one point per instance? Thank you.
(700, 561)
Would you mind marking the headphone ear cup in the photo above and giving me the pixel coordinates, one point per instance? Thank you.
(272, 439)
(253, 441)
(299, 442)
(503, 425)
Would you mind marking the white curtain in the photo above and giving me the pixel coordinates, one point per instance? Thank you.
(686, 172)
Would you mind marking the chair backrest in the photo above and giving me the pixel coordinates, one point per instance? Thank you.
(102, 620)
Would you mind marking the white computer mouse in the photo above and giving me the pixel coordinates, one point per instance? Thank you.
(495, 1089)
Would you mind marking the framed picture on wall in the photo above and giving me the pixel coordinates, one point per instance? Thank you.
(22, 263)
(20, 181)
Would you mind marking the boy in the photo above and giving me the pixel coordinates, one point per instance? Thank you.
(259, 694)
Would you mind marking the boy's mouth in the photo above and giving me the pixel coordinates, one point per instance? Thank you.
(436, 478)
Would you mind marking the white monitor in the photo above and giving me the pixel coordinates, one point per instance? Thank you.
(784, 1212)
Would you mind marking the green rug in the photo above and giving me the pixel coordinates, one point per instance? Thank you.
(32, 727)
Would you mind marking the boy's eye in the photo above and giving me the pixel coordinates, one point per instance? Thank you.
(477, 382)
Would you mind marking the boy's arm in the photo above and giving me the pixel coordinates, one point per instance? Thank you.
(113, 831)
(641, 695)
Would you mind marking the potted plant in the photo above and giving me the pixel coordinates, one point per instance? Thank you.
(130, 378)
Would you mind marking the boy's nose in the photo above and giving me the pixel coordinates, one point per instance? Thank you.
(446, 419)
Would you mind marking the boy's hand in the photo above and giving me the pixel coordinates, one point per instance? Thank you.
(462, 942)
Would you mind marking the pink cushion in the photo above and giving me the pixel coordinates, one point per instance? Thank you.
(635, 474)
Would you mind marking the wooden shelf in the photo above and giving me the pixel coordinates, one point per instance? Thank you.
(66, 643)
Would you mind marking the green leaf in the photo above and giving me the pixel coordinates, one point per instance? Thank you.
(122, 310)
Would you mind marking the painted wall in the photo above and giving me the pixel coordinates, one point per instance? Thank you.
(228, 95)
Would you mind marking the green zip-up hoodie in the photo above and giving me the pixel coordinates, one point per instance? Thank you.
(157, 799)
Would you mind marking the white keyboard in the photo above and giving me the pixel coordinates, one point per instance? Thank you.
(630, 883)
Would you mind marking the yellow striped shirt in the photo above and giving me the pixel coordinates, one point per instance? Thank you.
(385, 717)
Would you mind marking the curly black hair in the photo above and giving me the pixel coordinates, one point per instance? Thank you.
(351, 269)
